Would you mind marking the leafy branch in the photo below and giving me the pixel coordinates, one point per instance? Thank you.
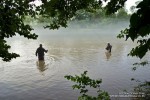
(82, 82)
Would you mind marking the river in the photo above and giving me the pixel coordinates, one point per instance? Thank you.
(71, 51)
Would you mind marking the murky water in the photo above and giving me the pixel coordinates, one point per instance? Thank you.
(71, 51)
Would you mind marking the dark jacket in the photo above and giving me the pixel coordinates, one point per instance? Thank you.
(109, 48)
(40, 52)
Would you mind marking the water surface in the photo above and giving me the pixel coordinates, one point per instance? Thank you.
(71, 52)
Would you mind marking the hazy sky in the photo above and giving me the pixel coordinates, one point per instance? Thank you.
(131, 3)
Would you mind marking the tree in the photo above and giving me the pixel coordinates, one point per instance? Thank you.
(122, 14)
(11, 23)
(82, 84)
(60, 12)
(139, 29)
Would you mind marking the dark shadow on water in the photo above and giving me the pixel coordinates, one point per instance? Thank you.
(41, 66)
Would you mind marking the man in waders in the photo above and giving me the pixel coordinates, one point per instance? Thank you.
(40, 52)
(108, 48)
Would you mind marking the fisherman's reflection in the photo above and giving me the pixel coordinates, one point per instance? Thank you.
(108, 54)
(41, 66)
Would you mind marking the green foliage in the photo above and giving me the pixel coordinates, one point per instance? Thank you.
(123, 33)
(122, 14)
(83, 16)
(4, 51)
(11, 23)
(139, 27)
(114, 5)
(63, 10)
(83, 82)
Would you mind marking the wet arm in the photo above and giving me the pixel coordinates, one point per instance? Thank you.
(45, 50)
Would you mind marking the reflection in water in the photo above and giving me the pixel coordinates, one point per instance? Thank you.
(41, 66)
(108, 54)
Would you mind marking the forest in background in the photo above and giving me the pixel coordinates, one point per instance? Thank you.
(84, 18)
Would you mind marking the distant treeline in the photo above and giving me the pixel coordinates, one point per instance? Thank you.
(82, 16)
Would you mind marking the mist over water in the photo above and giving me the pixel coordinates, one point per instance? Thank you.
(72, 50)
